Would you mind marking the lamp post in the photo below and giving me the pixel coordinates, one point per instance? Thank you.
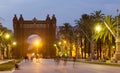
(64, 42)
(98, 54)
(14, 43)
(116, 56)
(65, 48)
(37, 44)
(117, 52)
(59, 43)
(98, 28)
(13, 49)
(7, 36)
(61, 48)
(56, 49)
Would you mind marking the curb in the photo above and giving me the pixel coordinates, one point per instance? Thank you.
(5, 61)
(13, 70)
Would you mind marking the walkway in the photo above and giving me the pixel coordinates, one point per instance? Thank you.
(49, 66)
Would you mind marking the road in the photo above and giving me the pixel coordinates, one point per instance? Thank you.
(49, 66)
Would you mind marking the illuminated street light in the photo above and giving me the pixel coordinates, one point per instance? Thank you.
(98, 28)
(55, 45)
(65, 48)
(7, 36)
(14, 43)
(13, 48)
(57, 51)
(59, 43)
(61, 47)
(37, 43)
(64, 41)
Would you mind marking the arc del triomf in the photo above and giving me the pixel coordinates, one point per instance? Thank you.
(46, 29)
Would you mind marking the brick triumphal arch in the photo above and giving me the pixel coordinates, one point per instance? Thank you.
(46, 29)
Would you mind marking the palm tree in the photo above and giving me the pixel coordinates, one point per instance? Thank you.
(85, 24)
(5, 42)
(66, 31)
(97, 16)
(1, 40)
(105, 35)
(78, 37)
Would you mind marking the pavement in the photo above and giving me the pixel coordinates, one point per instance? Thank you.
(49, 66)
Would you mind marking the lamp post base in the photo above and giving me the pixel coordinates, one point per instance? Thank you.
(116, 57)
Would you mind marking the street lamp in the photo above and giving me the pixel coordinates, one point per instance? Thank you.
(14, 43)
(65, 48)
(57, 51)
(7, 36)
(13, 48)
(37, 43)
(64, 41)
(59, 43)
(55, 45)
(117, 52)
(61, 48)
(117, 38)
(98, 28)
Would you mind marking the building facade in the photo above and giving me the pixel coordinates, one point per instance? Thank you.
(46, 29)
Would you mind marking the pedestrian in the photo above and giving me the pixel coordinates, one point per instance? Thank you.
(74, 60)
(16, 65)
(57, 60)
(37, 58)
(26, 58)
(65, 58)
(31, 58)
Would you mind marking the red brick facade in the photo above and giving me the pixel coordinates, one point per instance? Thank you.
(46, 29)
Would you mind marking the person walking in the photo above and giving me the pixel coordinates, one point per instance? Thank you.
(26, 58)
(74, 60)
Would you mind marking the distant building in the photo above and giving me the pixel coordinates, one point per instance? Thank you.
(46, 29)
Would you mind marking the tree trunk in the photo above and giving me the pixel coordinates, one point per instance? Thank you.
(85, 48)
(81, 48)
(100, 49)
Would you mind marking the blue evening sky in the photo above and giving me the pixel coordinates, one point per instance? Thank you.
(65, 10)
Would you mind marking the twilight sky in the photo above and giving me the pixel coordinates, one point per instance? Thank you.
(65, 10)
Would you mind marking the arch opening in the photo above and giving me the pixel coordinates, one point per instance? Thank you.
(34, 45)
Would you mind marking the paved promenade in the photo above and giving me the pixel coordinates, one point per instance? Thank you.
(49, 66)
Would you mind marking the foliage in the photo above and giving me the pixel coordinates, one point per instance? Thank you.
(105, 34)
(9, 65)
(4, 42)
